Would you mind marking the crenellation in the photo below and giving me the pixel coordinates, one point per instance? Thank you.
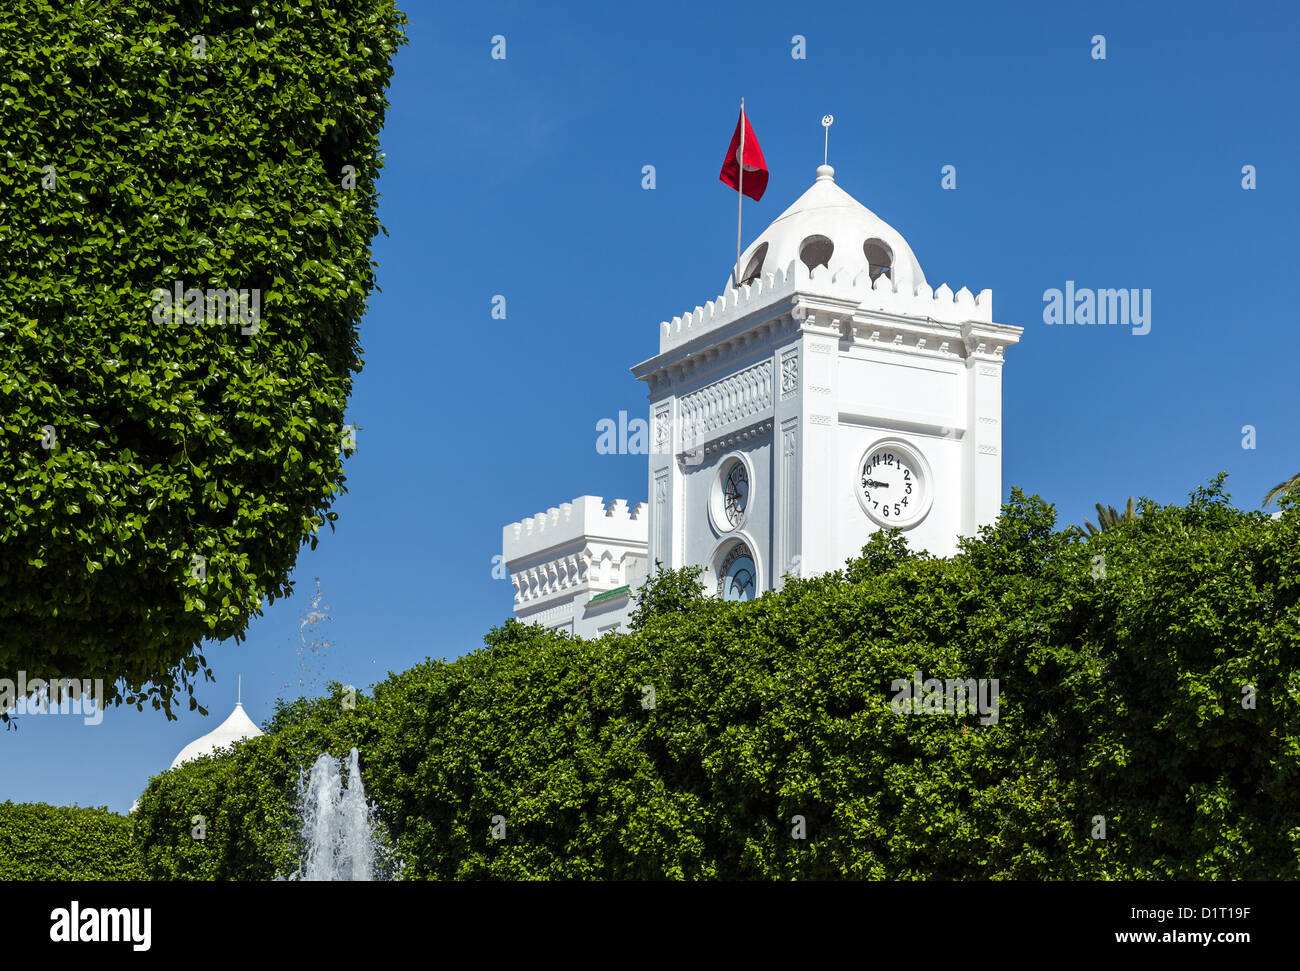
(615, 522)
(884, 354)
(884, 294)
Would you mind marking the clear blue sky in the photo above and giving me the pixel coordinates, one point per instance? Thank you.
(522, 177)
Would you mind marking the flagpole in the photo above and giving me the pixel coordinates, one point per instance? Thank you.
(740, 185)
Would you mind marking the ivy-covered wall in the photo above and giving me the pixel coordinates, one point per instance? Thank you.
(188, 193)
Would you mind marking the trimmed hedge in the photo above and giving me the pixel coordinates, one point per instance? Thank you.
(1122, 684)
(40, 842)
(246, 795)
(150, 147)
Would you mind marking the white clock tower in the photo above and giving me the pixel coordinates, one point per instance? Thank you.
(832, 394)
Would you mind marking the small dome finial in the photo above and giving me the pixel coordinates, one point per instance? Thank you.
(825, 173)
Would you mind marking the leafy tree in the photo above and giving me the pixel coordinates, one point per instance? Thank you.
(668, 593)
(886, 549)
(161, 466)
(1156, 698)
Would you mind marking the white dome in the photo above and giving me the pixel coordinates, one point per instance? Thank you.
(828, 225)
(234, 729)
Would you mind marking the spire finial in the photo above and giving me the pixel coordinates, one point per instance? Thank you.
(239, 697)
(827, 121)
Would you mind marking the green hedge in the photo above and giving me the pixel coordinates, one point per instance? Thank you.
(40, 842)
(147, 145)
(1121, 697)
(247, 797)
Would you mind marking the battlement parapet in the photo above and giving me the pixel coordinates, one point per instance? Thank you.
(572, 523)
(843, 283)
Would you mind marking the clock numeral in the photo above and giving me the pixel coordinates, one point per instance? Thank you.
(885, 471)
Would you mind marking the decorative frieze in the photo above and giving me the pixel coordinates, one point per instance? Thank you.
(789, 374)
(662, 429)
(551, 615)
(732, 439)
(724, 403)
(549, 578)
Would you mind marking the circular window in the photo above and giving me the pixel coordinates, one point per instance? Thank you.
(729, 498)
(738, 577)
(816, 251)
(879, 257)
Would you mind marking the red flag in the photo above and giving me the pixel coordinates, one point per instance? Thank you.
(755, 166)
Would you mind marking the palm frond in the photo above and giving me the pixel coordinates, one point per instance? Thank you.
(1281, 489)
(1108, 517)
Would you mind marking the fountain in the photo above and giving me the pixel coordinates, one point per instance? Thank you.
(337, 829)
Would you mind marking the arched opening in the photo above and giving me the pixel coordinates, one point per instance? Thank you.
(755, 268)
(738, 575)
(816, 251)
(879, 257)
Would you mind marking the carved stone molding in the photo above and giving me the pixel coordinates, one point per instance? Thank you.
(551, 615)
(723, 403)
(789, 374)
(737, 437)
(547, 579)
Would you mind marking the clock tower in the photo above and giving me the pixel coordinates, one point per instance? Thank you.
(833, 393)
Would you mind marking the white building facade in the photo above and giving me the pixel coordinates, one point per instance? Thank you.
(832, 394)
(576, 566)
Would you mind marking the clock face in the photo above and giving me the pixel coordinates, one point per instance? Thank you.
(893, 484)
(735, 493)
(738, 579)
